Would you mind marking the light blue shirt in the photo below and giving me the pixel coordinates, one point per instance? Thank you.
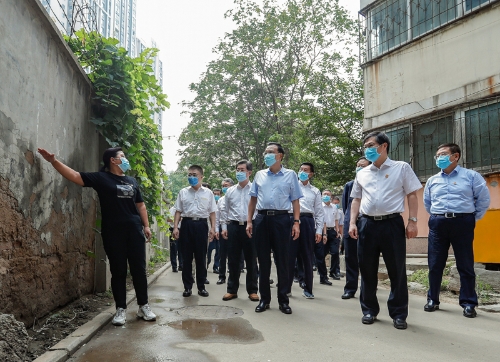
(275, 191)
(462, 191)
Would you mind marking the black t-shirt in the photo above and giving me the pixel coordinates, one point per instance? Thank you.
(117, 195)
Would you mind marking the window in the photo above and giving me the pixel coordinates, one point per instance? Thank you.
(430, 14)
(427, 137)
(400, 144)
(471, 4)
(482, 133)
(388, 26)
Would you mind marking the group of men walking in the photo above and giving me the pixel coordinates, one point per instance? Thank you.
(283, 214)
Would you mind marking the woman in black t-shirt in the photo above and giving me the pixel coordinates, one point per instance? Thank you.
(125, 226)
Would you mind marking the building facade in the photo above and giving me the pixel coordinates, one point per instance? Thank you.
(431, 76)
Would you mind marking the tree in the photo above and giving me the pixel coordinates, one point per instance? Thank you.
(287, 73)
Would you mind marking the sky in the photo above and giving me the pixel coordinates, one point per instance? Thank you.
(186, 31)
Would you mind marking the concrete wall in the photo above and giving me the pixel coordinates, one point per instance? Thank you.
(460, 62)
(45, 221)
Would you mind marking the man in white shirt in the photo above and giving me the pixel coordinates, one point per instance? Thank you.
(195, 204)
(233, 225)
(330, 231)
(378, 193)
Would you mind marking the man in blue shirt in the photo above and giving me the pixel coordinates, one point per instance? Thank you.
(274, 191)
(455, 198)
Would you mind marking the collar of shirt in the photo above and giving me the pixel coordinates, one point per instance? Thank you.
(456, 170)
(387, 163)
(279, 173)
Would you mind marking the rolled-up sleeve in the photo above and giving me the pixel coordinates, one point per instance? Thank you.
(319, 213)
(356, 192)
(481, 195)
(254, 190)
(295, 191)
(411, 182)
(427, 195)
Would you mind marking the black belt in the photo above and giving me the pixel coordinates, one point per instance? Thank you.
(332, 228)
(383, 217)
(194, 218)
(307, 214)
(272, 212)
(451, 215)
(237, 222)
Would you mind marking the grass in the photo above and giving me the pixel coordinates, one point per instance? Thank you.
(484, 291)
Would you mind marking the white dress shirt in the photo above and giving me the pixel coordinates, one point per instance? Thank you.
(192, 203)
(236, 204)
(331, 214)
(340, 214)
(220, 206)
(382, 190)
(311, 203)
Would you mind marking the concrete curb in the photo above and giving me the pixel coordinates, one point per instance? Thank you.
(69, 345)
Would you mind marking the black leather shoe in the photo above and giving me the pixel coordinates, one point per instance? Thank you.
(295, 280)
(206, 281)
(399, 323)
(302, 285)
(262, 307)
(174, 269)
(325, 281)
(271, 282)
(347, 295)
(216, 271)
(285, 308)
(335, 277)
(187, 293)
(180, 268)
(315, 268)
(368, 319)
(431, 306)
(221, 281)
(203, 293)
(470, 312)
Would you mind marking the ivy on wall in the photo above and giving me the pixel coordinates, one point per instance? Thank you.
(126, 96)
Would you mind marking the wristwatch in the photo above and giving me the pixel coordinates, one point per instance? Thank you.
(412, 219)
(296, 221)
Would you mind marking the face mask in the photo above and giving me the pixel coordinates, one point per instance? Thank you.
(270, 159)
(371, 154)
(303, 176)
(338, 206)
(217, 197)
(193, 181)
(125, 165)
(443, 162)
(358, 169)
(224, 189)
(241, 176)
(326, 198)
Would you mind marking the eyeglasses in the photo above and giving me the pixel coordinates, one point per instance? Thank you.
(371, 145)
(442, 154)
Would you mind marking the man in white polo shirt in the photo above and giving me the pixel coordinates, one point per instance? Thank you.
(378, 194)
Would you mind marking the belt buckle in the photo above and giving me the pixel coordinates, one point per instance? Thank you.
(196, 218)
(241, 223)
(449, 215)
(270, 212)
(377, 218)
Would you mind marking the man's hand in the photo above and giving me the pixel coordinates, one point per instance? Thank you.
(224, 234)
(147, 233)
(411, 230)
(353, 231)
(50, 157)
(325, 239)
(217, 236)
(295, 230)
(211, 234)
(318, 238)
(175, 233)
(249, 229)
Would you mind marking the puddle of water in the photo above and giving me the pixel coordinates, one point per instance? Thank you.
(234, 329)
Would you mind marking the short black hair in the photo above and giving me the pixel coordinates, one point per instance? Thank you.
(330, 191)
(216, 190)
(336, 198)
(280, 148)
(196, 167)
(365, 159)
(380, 137)
(454, 148)
(204, 184)
(229, 180)
(247, 164)
(311, 166)
(110, 152)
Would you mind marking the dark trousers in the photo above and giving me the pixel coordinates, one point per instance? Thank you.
(459, 232)
(213, 245)
(332, 247)
(319, 257)
(238, 242)
(271, 232)
(193, 237)
(222, 258)
(351, 265)
(387, 237)
(175, 253)
(126, 243)
(301, 252)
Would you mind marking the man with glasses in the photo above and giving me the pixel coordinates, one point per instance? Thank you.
(378, 193)
(274, 191)
(455, 198)
(195, 204)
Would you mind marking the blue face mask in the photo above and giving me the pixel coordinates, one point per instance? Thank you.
(193, 181)
(270, 159)
(443, 162)
(303, 176)
(125, 165)
(217, 197)
(241, 176)
(326, 198)
(224, 189)
(338, 206)
(371, 154)
(358, 169)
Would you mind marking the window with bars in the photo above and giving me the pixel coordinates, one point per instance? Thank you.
(400, 144)
(430, 14)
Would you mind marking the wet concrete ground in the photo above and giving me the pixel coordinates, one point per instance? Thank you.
(324, 329)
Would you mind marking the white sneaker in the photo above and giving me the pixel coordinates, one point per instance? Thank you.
(146, 313)
(120, 317)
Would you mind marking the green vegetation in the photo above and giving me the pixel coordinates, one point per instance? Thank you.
(420, 276)
(484, 291)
